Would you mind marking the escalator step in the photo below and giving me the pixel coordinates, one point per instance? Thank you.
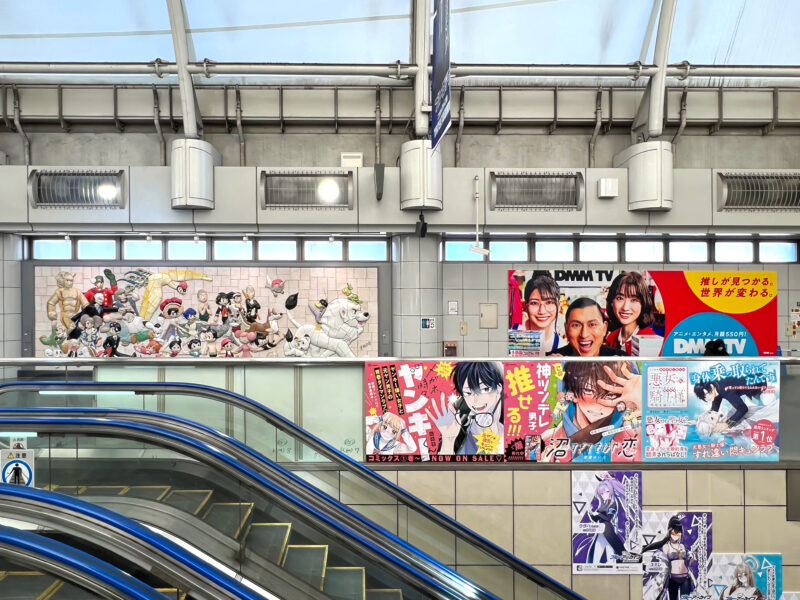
(70, 490)
(24, 585)
(229, 517)
(307, 563)
(103, 490)
(147, 492)
(172, 593)
(345, 583)
(384, 594)
(269, 539)
(191, 501)
(69, 592)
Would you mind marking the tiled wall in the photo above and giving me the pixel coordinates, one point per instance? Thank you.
(472, 283)
(527, 512)
(11, 300)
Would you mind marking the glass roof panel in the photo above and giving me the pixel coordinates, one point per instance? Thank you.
(305, 31)
(548, 31)
(86, 31)
(736, 32)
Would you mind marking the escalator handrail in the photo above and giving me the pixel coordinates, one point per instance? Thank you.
(134, 529)
(323, 448)
(441, 571)
(78, 561)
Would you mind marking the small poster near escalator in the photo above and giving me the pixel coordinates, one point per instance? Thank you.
(746, 577)
(16, 467)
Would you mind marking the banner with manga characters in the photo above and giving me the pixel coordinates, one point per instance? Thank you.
(746, 576)
(706, 411)
(573, 411)
(676, 555)
(434, 411)
(606, 522)
(647, 313)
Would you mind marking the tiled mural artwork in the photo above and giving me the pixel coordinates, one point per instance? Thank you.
(86, 311)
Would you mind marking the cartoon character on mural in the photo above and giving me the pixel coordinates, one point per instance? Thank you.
(99, 288)
(153, 284)
(67, 298)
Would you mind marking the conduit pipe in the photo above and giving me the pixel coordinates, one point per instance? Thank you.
(460, 127)
(239, 130)
(598, 114)
(377, 125)
(18, 124)
(682, 124)
(655, 114)
(157, 123)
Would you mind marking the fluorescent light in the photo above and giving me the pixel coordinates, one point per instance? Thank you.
(85, 393)
(107, 191)
(479, 250)
(26, 434)
(328, 191)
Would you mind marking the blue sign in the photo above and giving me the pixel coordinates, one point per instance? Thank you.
(440, 84)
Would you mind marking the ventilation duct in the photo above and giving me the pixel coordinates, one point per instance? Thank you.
(193, 163)
(323, 189)
(649, 167)
(76, 188)
(519, 190)
(754, 190)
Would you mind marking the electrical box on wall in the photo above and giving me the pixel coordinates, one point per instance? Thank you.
(649, 167)
(193, 163)
(450, 349)
(420, 176)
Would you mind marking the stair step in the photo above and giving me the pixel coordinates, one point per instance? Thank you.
(269, 540)
(24, 585)
(229, 517)
(147, 492)
(191, 501)
(345, 583)
(377, 594)
(103, 490)
(307, 563)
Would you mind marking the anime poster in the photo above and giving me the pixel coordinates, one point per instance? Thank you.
(538, 301)
(595, 413)
(606, 522)
(676, 555)
(739, 307)
(746, 577)
(790, 596)
(710, 411)
(205, 312)
(528, 411)
(434, 411)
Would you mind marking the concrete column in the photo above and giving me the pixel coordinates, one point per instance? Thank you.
(11, 299)
(417, 294)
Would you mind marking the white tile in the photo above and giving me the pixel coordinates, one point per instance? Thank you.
(12, 300)
(409, 275)
(472, 299)
(409, 248)
(476, 349)
(430, 336)
(794, 277)
(12, 247)
(408, 350)
(397, 301)
(474, 332)
(452, 296)
(430, 275)
(429, 248)
(12, 349)
(12, 328)
(411, 327)
(500, 334)
(497, 275)
(430, 304)
(498, 349)
(450, 327)
(452, 275)
(409, 302)
(475, 276)
(430, 350)
(397, 329)
(11, 273)
(501, 298)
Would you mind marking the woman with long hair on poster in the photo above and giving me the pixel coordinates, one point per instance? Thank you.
(630, 307)
(607, 506)
(743, 586)
(677, 580)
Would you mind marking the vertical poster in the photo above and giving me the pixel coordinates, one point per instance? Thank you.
(707, 411)
(790, 596)
(434, 411)
(595, 413)
(528, 411)
(676, 555)
(606, 522)
(440, 84)
(738, 307)
(746, 577)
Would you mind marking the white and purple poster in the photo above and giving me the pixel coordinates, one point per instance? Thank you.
(676, 555)
(606, 522)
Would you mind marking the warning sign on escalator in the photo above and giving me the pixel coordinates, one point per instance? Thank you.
(17, 467)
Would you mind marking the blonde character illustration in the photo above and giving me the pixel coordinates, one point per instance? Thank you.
(69, 299)
(153, 284)
(387, 435)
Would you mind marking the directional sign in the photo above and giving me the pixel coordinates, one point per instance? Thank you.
(17, 467)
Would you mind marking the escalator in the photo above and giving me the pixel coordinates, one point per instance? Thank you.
(416, 522)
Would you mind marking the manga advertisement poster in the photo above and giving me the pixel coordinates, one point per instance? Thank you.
(738, 307)
(205, 312)
(528, 410)
(676, 555)
(594, 411)
(707, 411)
(606, 522)
(648, 313)
(434, 411)
(746, 577)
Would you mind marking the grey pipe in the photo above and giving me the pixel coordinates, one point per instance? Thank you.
(181, 44)
(598, 121)
(655, 114)
(377, 125)
(460, 127)
(18, 124)
(239, 130)
(682, 125)
(157, 123)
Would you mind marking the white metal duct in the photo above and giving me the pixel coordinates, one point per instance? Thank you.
(758, 190)
(311, 189)
(515, 190)
(76, 188)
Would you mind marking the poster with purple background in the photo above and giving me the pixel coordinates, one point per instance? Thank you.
(676, 554)
(606, 522)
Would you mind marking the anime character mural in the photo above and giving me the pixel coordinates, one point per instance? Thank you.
(434, 411)
(606, 521)
(676, 555)
(71, 322)
(726, 411)
(747, 577)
